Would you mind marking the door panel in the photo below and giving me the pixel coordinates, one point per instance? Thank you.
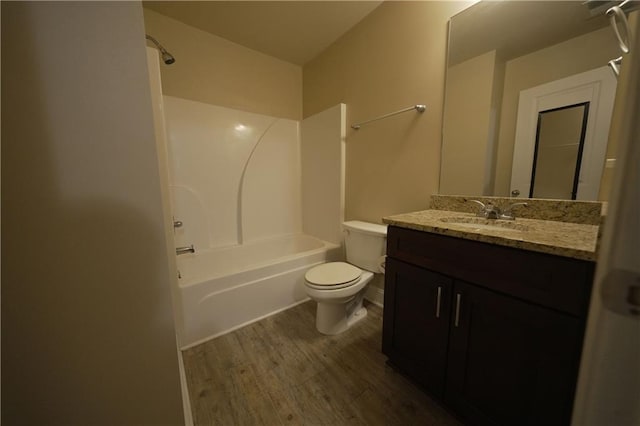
(415, 333)
(511, 362)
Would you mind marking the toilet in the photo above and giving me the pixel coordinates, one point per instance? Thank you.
(339, 287)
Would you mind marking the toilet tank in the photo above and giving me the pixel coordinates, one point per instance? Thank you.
(365, 244)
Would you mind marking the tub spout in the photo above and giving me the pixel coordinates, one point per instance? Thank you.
(183, 250)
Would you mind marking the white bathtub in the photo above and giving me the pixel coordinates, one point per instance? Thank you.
(224, 289)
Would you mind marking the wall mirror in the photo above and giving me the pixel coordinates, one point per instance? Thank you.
(497, 51)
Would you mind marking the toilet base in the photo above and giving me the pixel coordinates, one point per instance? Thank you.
(335, 318)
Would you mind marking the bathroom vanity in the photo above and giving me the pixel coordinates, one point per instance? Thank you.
(489, 321)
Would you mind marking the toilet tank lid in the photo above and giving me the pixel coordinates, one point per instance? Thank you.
(366, 227)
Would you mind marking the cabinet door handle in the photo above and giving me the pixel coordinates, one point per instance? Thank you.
(439, 298)
(458, 297)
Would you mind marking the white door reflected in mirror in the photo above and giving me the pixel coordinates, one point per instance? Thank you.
(595, 90)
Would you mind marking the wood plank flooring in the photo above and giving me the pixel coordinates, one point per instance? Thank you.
(281, 371)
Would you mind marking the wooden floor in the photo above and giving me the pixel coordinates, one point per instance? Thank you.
(281, 371)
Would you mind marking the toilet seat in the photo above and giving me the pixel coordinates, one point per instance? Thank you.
(332, 276)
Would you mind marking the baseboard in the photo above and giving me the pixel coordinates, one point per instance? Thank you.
(186, 403)
(375, 295)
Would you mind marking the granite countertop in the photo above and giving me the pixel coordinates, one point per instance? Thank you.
(574, 240)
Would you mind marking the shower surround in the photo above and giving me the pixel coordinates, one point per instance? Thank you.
(235, 175)
(240, 185)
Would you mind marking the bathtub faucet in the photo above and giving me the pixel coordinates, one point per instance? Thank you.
(183, 250)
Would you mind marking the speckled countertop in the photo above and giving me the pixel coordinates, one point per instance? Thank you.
(575, 240)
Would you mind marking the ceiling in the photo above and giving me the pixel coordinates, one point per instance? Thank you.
(294, 31)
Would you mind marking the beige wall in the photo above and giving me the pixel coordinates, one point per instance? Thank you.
(592, 50)
(468, 125)
(392, 59)
(87, 326)
(216, 71)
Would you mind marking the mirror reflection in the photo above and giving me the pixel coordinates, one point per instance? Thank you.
(498, 50)
(558, 151)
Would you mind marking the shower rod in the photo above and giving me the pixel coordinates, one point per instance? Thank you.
(419, 108)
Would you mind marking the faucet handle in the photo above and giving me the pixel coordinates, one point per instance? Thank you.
(511, 206)
(480, 203)
(484, 208)
(508, 212)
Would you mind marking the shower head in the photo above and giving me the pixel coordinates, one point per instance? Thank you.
(167, 57)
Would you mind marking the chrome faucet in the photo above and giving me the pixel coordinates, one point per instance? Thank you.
(184, 250)
(490, 211)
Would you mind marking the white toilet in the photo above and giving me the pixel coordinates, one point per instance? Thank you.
(339, 287)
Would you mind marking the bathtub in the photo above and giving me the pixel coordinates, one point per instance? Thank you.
(226, 288)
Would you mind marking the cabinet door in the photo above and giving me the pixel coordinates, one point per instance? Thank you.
(510, 362)
(417, 307)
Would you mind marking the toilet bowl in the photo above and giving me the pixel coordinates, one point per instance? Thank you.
(339, 287)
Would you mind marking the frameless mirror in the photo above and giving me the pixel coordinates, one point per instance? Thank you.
(498, 50)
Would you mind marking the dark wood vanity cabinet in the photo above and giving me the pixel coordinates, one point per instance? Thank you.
(493, 332)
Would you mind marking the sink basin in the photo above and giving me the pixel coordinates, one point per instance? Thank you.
(482, 224)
